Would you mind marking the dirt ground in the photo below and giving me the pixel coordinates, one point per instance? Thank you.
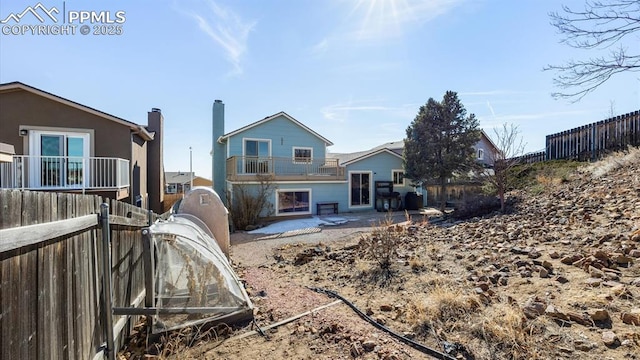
(557, 277)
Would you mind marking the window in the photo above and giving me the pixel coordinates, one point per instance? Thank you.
(256, 156)
(293, 201)
(302, 155)
(480, 154)
(360, 189)
(61, 158)
(172, 189)
(398, 177)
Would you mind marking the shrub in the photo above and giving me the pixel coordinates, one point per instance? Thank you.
(477, 205)
(381, 247)
(248, 202)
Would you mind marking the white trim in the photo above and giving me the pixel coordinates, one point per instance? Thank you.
(404, 180)
(370, 205)
(34, 143)
(480, 154)
(269, 118)
(370, 154)
(278, 191)
(244, 156)
(293, 154)
(291, 182)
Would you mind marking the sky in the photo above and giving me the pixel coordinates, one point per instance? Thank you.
(355, 71)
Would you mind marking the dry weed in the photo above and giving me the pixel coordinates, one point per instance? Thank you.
(380, 246)
(445, 307)
(612, 162)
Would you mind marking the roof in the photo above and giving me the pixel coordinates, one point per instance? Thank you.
(347, 159)
(17, 86)
(394, 147)
(178, 177)
(269, 118)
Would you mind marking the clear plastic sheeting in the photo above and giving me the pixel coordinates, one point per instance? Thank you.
(194, 281)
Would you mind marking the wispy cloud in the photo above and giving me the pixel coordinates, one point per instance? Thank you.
(342, 112)
(227, 29)
(497, 120)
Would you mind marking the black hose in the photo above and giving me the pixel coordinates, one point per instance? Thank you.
(416, 345)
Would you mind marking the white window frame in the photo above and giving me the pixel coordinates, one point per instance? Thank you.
(36, 150)
(172, 188)
(371, 194)
(393, 178)
(244, 147)
(480, 154)
(277, 202)
(293, 155)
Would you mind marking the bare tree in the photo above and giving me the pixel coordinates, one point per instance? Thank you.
(510, 146)
(601, 25)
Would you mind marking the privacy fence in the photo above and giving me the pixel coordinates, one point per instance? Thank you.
(591, 141)
(54, 286)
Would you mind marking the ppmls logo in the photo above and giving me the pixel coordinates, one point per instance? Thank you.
(40, 20)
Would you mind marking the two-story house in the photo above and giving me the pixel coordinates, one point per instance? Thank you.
(307, 179)
(63, 146)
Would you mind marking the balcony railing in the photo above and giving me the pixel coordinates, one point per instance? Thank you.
(64, 173)
(280, 168)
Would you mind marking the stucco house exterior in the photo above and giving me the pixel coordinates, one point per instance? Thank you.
(307, 179)
(63, 146)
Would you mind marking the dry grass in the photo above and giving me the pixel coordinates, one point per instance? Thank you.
(380, 247)
(444, 308)
(612, 162)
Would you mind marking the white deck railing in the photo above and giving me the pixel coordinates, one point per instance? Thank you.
(64, 172)
(316, 168)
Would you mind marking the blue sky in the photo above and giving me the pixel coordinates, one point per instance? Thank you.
(356, 71)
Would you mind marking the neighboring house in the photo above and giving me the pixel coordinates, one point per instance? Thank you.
(63, 146)
(307, 179)
(179, 182)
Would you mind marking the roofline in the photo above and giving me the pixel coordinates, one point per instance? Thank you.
(269, 118)
(138, 129)
(488, 138)
(372, 153)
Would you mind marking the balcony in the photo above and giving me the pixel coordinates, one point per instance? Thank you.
(248, 168)
(65, 173)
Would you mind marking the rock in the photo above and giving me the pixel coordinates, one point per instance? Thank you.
(609, 338)
(547, 265)
(561, 279)
(544, 273)
(621, 259)
(582, 319)
(595, 273)
(534, 254)
(369, 345)
(386, 307)
(593, 282)
(636, 282)
(553, 312)
(533, 308)
(630, 318)
(569, 260)
(635, 253)
(599, 315)
(554, 255)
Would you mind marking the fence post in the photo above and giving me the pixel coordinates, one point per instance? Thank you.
(106, 280)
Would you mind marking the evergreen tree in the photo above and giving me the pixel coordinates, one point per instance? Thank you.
(439, 142)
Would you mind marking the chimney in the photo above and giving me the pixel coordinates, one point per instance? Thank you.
(219, 158)
(155, 161)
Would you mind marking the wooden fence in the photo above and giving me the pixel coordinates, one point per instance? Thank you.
(589, 142)
(52, 299)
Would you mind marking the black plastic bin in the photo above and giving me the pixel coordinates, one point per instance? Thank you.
(412, 201)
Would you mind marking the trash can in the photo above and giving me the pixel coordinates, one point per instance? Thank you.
(412, 201)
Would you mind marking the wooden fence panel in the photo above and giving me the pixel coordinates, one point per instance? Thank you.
(51, 300)
(591, 141)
